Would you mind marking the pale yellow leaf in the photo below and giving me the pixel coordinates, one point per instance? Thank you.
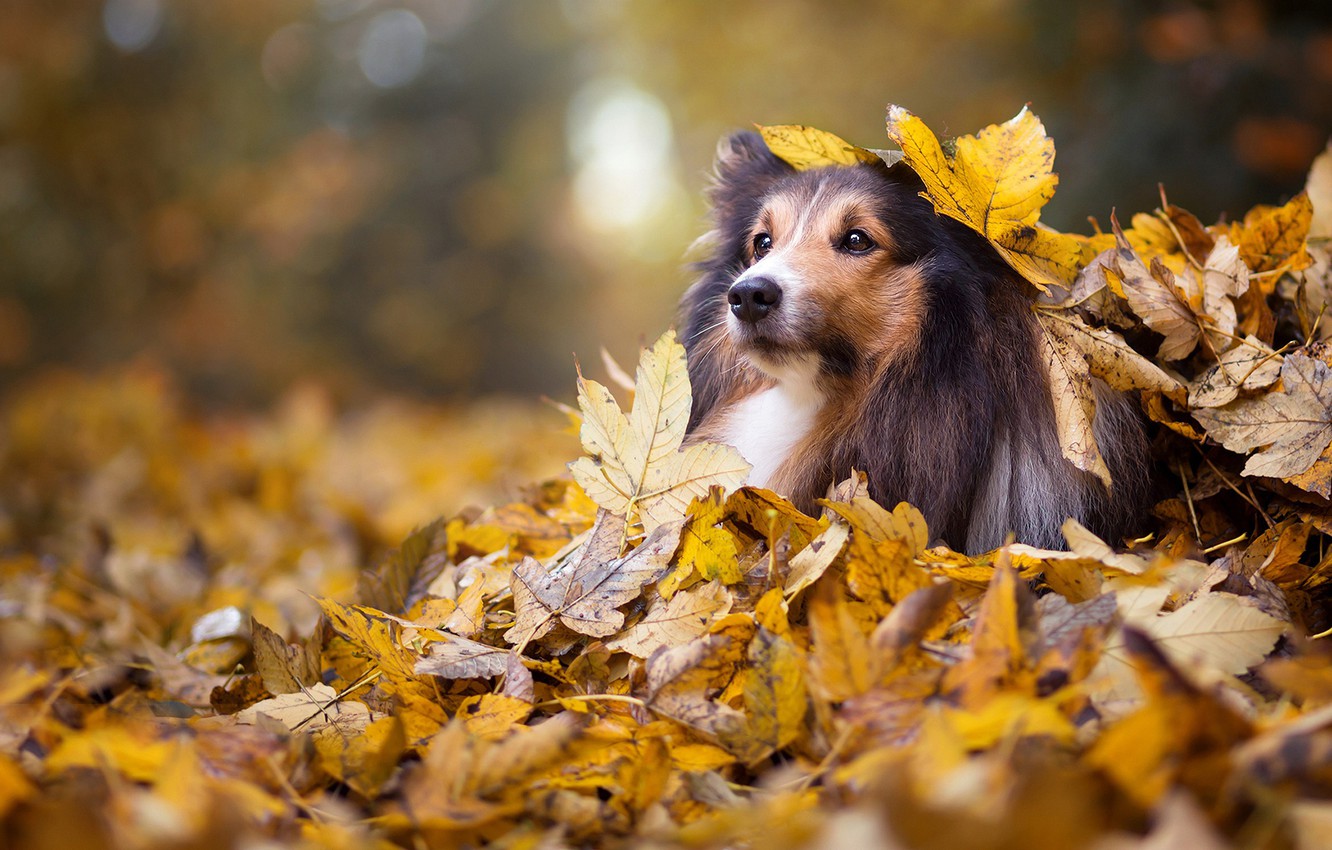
(1112, 359)
(635, 467)
(813, 561)
(312, 709)
(1074, 399)
(672, 622)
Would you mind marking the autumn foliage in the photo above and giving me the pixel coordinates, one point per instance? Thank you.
(643, 653)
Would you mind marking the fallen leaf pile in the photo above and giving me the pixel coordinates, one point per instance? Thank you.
(645, 654)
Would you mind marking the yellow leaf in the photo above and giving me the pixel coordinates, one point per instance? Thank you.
(775, 699)
(867, 517)
(133, 752)
(1272, 239)
(882, 573)
(804, 147)
(365, 761)
(492, 716)
(997, 649)
(996, 183)
(700, 757)
(839, 651)
(1006, 716)
(771, 516)
(635, 465)
(15, 787)
(707, 552)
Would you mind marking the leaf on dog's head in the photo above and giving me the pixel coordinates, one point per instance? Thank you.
(804, 147)
(636, 467)
(996, 183)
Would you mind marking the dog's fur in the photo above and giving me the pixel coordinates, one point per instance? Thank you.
(915, 360)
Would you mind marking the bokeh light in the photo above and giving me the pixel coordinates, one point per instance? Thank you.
(132, 24)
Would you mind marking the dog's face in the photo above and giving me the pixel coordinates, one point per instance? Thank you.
(828, 283)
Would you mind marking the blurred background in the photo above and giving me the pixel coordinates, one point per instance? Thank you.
(450, 198)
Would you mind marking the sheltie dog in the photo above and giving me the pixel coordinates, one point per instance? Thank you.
(840, 323)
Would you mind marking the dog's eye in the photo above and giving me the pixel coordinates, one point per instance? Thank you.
(762, 245)
(857, 242)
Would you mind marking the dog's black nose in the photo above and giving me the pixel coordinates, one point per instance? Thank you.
(751, 299)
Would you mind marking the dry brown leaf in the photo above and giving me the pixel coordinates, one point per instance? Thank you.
(586, 596)
(1247, 367)
(1292, 426)
(1154, 295)
(460, 658)
(1112, 359)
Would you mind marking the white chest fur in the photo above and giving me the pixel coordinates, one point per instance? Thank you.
(767, 425)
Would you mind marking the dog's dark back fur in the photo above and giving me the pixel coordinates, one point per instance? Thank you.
(964, 428)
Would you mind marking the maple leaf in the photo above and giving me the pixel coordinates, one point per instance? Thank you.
(1294, 425)
(1273, 239)
(804, 147)
(636, 466)
(585, 597)
(996, 183)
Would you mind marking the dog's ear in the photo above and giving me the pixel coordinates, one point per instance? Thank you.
(743, 171)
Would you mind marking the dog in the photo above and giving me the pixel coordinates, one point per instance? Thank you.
(840, 323)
